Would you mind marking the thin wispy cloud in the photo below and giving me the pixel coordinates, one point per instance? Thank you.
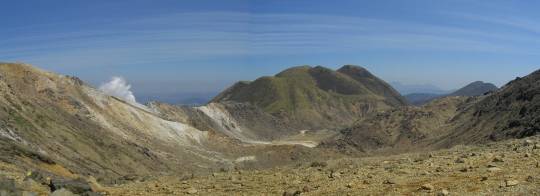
(196, 48)
(214, 34)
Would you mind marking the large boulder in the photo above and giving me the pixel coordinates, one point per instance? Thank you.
(78, 186)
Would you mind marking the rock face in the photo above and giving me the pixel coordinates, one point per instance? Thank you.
(316, 97)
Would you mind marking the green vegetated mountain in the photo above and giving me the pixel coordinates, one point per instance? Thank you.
(473, 89)
(511, 112)
(316, 97)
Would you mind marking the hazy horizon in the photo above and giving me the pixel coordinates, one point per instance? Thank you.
(171, 48)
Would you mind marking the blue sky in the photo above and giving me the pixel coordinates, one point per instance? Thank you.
(172, 47)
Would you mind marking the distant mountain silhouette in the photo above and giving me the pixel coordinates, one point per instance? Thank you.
(406, 89)
(473, 89)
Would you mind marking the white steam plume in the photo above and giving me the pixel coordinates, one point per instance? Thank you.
(118, 87)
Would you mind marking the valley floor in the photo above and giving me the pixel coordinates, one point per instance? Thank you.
(503, 168)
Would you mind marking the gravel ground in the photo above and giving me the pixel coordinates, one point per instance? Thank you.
(504, 168)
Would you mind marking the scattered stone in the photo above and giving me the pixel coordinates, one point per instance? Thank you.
(536, 146)
(528, 143)
(291, 193)
(39, 177)
(498, 160)
(31, 185)
(349, 185)
(494, 169)
(94, 184)
(191, 191)
(484, 178)
(92, 194)
(443, 192)
(7, 185)
(319, 164)
(335, 175)
(427, 187)
(306, 189)
(460, 160)
(510, 183)
(28, 193)
(390, 181)
(527, 155)
(62, 192)
(131, 177)
(530, 179)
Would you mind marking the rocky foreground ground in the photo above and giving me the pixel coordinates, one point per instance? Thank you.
(504, 168)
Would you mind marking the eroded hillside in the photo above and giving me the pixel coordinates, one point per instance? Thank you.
(53, 121)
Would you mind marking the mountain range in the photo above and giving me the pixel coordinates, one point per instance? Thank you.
(473, 89)
(406, 89)
(64, 128)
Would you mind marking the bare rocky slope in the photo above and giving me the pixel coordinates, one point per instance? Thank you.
(511, 112)
(60, 121)
(60, 126)
(400, 129)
